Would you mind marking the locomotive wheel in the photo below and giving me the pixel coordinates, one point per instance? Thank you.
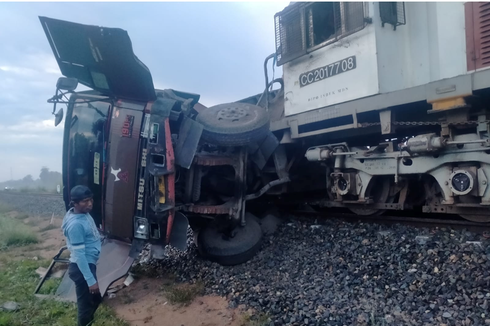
(378, 190)
(476, 218)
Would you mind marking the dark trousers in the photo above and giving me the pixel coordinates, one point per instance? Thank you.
(87, 302)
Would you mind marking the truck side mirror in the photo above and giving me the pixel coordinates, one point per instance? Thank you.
(58, 117)
(63, 84)
(67, 84)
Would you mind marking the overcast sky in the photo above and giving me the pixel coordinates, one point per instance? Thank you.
(216, 50)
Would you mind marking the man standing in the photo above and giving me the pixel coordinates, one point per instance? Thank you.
(83, 241)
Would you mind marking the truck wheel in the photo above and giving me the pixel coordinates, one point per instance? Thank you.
(215, 246)
(234, 124)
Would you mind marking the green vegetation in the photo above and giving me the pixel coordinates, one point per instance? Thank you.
(38, 190)
(46, 183)
(50, 286)
(21, 216)
(4, 209)
(255, 320)
(48, 227)
(18, 279)
(15, 233)
(143, 270)
(127, 298)
(181, 293)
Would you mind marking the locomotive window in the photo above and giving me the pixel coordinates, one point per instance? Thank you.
(304, 27)
(324, 22)
(392, 13)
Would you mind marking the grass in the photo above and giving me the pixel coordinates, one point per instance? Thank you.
(15, 233)
(38, 190)
(17, 282)
(21, 216)
(176, 293)
(183, 293)
(255, 320)
(18, 279)
(127, 298)
(4, 209)
(143, 270)
(48, 227)
(50, 286)
(33, 222)
(7, 209)
(41, 189)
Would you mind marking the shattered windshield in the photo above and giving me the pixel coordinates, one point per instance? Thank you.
(86, 150)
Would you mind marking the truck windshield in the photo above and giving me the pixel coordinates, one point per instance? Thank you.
(88, 133)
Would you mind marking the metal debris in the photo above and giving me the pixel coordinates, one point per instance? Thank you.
(421, 239)
(10, 306)
(476, 243)
(129, 280)
(41, 271)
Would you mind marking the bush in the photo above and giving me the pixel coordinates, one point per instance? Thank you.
(41, 189)
(5, 209)
(17, 282)
(15, 233)
(183, 294)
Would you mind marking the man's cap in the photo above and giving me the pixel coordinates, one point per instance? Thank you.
(79, 193)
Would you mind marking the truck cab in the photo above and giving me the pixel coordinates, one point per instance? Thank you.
(111, 142)
(158, 161)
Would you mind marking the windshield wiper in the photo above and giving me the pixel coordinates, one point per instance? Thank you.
(73, 121)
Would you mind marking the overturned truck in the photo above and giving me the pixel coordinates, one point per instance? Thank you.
(157, 161)
(382, 106)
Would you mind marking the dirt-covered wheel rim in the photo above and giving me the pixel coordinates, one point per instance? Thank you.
(233, 118)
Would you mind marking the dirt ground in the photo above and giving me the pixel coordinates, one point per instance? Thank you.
(50, 238)
(143, 302)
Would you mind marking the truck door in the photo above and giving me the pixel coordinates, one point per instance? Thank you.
(102, 59)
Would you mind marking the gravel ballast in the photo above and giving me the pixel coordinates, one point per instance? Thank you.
(34, 204)
(340, 273)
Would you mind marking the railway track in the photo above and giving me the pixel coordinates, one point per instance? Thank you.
(34, 204)
(31, 194)
(430, 221)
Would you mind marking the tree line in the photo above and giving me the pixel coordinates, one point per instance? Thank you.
(46, 182)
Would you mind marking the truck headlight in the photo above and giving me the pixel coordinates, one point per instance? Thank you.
(141, 230)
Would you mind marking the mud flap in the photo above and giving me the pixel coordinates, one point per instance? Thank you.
(178, 235)
(113, 264)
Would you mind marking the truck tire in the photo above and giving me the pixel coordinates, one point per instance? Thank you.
(234, 124)
(213, 245)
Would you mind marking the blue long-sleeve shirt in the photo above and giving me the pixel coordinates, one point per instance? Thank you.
(83, 241)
